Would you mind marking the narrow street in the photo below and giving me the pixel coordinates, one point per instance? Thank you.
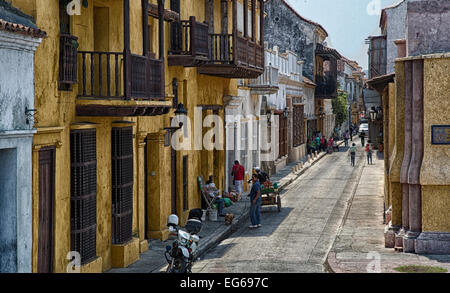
(299, 237)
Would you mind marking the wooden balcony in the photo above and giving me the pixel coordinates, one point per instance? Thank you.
(232, 56)
(132, 81)
(326, 87)
(265, 84)
(189, 43)
(326, 83)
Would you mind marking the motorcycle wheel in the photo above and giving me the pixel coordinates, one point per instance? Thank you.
(178, 266)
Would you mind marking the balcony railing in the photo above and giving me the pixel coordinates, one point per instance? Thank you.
(232, 56)
(267, 83)
(189, 43)
(102, 76)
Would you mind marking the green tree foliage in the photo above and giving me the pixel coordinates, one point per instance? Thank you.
(340, 108)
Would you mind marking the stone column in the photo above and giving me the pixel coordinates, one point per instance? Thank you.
(408, 84)
(159, 186)
(141, 143)
(415, 194)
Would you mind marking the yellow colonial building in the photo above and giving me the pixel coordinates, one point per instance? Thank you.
(109, 78)
(417, 134)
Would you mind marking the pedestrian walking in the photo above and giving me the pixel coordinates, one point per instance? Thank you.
(362, 136)
(317, 143)
(352, 154)
(323, 143)
(238, 177)
(255, 198)
(314, 145)
(369, 151)
(330, 145)
(346, 138)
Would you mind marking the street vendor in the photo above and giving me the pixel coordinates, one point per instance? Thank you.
(214, 192)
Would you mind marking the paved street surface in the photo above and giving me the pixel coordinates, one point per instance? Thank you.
(298, 238)
(359, 246)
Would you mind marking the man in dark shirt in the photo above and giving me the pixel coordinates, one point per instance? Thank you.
(262, 176)
(255, 198)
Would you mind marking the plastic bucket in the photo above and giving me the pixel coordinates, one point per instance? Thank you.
(212, 215)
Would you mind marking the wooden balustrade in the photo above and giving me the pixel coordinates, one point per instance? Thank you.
(102, 75)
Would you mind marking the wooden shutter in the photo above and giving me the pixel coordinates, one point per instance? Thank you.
(46, 209)
(299, 125)
(283, 135)
(83, 195)
(122, 184)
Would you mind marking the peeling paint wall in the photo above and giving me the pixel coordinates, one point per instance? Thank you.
(16, 95)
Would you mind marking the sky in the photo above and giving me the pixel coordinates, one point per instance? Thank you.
(348, 23)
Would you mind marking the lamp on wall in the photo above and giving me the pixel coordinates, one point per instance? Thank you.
(286, 112)
(30, 116)
(180, 110)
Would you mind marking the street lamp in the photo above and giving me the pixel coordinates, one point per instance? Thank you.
(269, 116)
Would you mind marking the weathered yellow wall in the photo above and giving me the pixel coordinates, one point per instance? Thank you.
(396, 158)
(435, 171)
(57, 109)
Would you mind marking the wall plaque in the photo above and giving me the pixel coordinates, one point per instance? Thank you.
(440, 134)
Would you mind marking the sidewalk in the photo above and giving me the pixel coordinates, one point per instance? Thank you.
(153, 260)
(361, 238)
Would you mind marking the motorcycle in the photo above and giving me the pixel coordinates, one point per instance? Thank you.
(183, 252)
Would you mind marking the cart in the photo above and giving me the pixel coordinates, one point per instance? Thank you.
(270, 196)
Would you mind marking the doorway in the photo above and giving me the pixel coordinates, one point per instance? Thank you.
(8, 210)
(46, 209)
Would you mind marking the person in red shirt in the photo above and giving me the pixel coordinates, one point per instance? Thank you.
(330, 145)
(238, 173)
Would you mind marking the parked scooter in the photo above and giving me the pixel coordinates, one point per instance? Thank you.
(183, 252)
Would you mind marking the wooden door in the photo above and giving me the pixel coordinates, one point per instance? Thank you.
(283, 136)
(46, 209)
(173, 171)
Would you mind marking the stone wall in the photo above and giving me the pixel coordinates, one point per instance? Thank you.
(286, 30)
(428, 25)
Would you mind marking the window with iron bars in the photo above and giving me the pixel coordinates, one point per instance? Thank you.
(122, 184)
(67, 51)
(83, 193)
